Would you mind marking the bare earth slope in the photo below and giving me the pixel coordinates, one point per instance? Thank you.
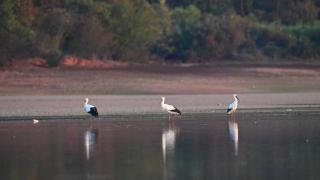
(34, 91)
(157, 79)
(146, 104)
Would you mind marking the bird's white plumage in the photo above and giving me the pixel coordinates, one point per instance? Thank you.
(169, 108)
(91, 109)
(87, 107)
(233, 106)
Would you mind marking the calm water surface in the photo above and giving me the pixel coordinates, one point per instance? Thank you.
(195, 146)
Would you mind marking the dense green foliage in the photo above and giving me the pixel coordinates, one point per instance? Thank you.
(175, 30)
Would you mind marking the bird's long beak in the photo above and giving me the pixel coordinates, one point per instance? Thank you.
(237, 98)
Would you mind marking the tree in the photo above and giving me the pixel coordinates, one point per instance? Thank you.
(182, 36)
(136, 26)
(286, 11)
(243, 7)
(52, 28)
(15, 33)
(91, 34)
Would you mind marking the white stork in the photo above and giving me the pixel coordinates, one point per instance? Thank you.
(169, 108)
(90, 108)
(234, 105)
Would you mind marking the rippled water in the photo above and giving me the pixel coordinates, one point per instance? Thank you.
(195, 146)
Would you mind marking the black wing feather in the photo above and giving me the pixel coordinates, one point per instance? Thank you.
(94, 112)
(176, 110)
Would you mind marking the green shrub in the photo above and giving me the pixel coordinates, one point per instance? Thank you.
(53, 59)
(136, 26)
(52, 29)
(135, 30)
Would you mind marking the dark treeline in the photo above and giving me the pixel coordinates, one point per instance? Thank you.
(173, 30)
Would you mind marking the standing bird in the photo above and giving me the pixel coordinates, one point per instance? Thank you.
(234, 105)
(170, 108)
(90, 108)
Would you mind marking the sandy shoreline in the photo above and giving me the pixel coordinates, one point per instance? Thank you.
(64, 106)
(152, 79)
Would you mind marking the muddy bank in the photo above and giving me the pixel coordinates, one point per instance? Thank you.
(157, 79)
(20, 106)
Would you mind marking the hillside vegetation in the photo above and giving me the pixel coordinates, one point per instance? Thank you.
(156, 30)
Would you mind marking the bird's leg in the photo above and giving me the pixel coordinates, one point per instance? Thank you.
(173, 125)
(91, 120)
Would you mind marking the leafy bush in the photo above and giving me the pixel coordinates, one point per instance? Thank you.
(53, 59)
(16, 35)
(182, 34)
(136, 25)
(182, 30)
(52, 29)
(88, 37)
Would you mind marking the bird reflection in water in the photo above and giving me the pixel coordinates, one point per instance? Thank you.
(234, 134)
(90, 141)
(169, 136)
(168, 139)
